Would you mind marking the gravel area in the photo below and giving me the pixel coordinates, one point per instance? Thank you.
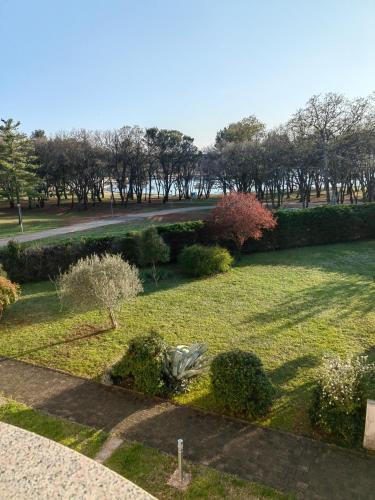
(32, 466)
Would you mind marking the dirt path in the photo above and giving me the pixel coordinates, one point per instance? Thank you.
(83, 226)
(285, 461)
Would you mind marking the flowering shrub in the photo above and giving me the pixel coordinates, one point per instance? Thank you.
(340, 397)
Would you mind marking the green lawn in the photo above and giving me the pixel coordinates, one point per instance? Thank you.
(289, 307)
(85, 440)
(151, 470)
(32, 222)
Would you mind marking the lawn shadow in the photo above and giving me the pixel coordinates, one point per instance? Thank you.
(288, 370)
(97, 332)
(346, 297)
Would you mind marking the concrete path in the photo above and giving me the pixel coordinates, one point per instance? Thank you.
(98, 223)
(285, 461)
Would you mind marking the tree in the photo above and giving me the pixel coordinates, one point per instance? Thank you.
(242, 131)
(17, 168)
(99, 282)
(326, 118)
(173, 150)
(240, 216)
(153, 250)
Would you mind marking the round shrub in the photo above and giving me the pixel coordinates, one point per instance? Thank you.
(9, 293)
(240, 384)
(143, 364)
(339, 400)
(199, 260)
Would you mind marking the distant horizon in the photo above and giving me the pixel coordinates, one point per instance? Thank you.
(192, 67)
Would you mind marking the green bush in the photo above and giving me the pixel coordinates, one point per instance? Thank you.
(198, 260)
(240, 383)
(143, 364)
(339, 400)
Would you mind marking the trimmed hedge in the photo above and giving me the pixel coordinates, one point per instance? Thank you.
(295, 228)
(38, 263)
(317, 226)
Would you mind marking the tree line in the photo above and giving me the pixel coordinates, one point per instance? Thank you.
(328, 146)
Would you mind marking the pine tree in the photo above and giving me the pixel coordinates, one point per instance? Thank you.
(17, 163)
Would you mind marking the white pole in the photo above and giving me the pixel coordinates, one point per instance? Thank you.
(20, 222)
(180, 449)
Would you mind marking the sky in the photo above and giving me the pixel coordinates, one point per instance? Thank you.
(193, 65)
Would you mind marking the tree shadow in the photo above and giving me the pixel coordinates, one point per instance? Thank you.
(97, 332)
(346, 297)
(288, 370)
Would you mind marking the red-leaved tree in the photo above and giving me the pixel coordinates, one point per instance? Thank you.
(238, 217)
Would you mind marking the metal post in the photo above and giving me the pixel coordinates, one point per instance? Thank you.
(180, 449)
(20, 216)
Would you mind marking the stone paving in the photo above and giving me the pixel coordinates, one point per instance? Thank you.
(285, 461)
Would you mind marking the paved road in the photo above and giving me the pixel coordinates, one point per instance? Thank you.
(288, 462)
(97, 223)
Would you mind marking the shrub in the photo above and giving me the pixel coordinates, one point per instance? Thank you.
(182, 364)
(339, 402)
(3, 273)
(240, 216)
(143, 364)
(9, 293)
(240, 384)
(99, 282)
(199, 260)
(153, 250)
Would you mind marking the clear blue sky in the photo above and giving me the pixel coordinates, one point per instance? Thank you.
(192, 65)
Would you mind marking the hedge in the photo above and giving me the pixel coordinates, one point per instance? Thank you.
(38, 263)
(317, 226)
(295, 228)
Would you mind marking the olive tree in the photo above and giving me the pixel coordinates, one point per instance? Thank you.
(99, 282)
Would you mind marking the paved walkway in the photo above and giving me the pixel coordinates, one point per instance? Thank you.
(84, 226)
(284, 461)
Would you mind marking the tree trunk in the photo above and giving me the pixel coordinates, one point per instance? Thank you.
(112, 317)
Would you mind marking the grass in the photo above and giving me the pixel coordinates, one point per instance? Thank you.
(289, 307)
(151, 470)
(85, 440)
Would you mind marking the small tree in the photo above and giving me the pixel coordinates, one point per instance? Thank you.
(240, 216)
(99, 282)
(9, 292)
(153, 250)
